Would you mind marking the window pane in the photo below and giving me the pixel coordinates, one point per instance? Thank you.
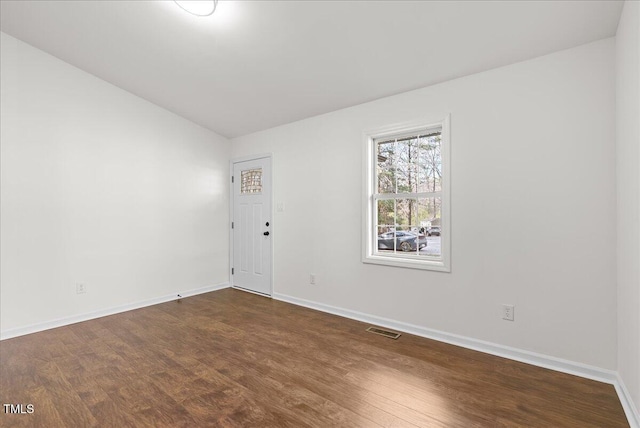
(251, 181)
(430, 164)
(386, 167)
(386, 241)
(406, 213)
(386, 214)
(431, 225)
(407, 151)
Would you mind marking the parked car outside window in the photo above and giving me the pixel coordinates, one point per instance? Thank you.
(434, 231)
(404, 241)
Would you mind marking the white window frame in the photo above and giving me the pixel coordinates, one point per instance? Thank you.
(369, 224)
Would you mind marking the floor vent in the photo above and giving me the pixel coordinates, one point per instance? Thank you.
(385, 333)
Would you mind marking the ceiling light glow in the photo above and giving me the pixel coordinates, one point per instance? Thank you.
(198, 7)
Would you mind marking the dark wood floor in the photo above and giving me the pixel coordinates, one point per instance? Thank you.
(230, 358)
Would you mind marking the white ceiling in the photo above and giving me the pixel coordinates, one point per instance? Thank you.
(258, 64)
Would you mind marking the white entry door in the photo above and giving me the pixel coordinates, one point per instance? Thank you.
(252, 227)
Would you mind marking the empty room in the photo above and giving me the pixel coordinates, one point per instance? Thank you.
(320, 213)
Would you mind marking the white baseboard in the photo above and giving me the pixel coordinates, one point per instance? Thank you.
(34, 328)
(540, 360)
(630, 409)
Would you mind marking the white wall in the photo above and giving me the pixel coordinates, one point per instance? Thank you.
(103, 188)
(533, 207)
(628, 180)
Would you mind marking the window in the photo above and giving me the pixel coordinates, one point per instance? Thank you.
(406, 208)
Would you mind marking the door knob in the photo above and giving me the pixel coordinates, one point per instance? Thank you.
(266, 233)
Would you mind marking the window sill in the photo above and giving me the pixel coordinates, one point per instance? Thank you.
(405, 262)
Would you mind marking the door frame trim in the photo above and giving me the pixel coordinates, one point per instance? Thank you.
(232, 162)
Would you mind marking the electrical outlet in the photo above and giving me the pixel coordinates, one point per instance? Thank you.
(312, 279)
(80, 288)
(507, 312)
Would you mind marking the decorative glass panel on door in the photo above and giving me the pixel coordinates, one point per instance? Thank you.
(251, 181)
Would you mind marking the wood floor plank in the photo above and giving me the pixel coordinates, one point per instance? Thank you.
(60, 391)
(245, 368)
(234, 359)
